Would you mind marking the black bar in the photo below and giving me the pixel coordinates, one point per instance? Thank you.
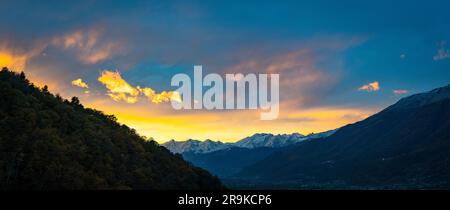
(170, 199)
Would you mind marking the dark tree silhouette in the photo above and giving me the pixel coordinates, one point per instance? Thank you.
(50, 143)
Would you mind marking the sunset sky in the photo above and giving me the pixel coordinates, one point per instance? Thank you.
(339, 61)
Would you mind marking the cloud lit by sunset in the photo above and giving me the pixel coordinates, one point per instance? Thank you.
(80, 83)
(373, 86)
(118, 88)
(11, 61)
(121, 60)
(88, 45)
(157, 98)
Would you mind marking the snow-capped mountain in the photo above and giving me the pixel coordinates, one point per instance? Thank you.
(254, 141)
(280, 140)
(195, 146)
(269, 140)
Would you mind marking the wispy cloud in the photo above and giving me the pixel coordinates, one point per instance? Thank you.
(15, 58)
(442, 52)
(299, 74)
(373, 86)
(400, 92)
(89, 45)
(80, 83)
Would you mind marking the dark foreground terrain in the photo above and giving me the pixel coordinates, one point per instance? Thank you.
(47, 142)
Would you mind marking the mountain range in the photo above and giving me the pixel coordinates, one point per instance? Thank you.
(226, 159)
(255, 141)
(405, 146)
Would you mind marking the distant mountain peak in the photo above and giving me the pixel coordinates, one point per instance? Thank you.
(279, 140)
(256, 140)
(195, 146)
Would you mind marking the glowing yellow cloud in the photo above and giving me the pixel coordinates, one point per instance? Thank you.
(118, 88)
(79, 83)
(148, 92)
(373, 86)
(157, 98)
(121, 90)
(162, 97)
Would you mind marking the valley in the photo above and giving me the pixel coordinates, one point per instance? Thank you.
(405, 146)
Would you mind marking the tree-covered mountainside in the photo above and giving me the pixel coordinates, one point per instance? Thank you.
(47, 142)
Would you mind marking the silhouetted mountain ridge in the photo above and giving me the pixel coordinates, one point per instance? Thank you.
(50, 143)
(421, 99)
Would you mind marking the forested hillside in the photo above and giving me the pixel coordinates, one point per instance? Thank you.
(47, 142)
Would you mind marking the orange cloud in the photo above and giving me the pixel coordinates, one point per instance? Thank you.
(16, 59)
(373, 86)
(79, 83)
(14, 62)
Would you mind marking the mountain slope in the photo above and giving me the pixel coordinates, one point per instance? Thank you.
(405, 146)
(226, 162)
(50, 143)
